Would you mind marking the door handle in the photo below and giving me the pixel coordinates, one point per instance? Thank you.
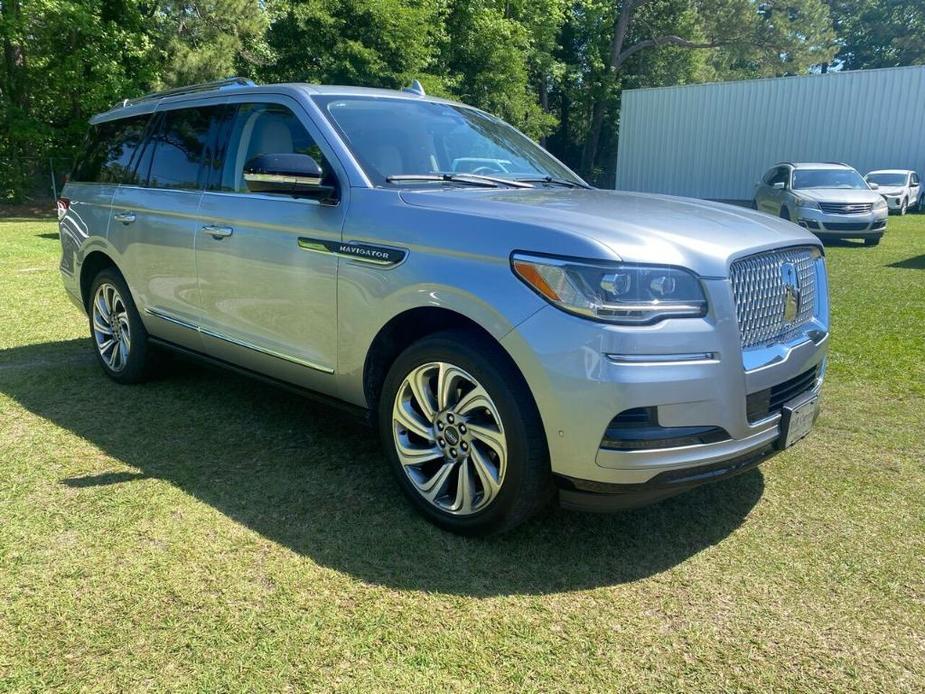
(218, 232)
(124, 217)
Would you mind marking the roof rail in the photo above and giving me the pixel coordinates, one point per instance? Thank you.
(190, 89)
(837, 163)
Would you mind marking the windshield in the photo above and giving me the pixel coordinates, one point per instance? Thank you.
(827, 178)
(400, 137)
(887, 179)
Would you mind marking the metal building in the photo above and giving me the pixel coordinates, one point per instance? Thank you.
(716, 140)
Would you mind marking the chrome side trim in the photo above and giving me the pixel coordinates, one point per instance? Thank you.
(662, 358)
(358, 251)
(239, 343)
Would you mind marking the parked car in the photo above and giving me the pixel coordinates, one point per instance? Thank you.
(900, 188)
(515, 337)
(832, 200)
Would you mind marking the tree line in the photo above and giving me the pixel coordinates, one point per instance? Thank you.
(553, 68)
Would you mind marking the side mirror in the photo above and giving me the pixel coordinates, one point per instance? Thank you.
(780, 185)
(298, 175)
(873, 186)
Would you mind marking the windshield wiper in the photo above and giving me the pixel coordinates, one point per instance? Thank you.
(465, 178)
(550, 180)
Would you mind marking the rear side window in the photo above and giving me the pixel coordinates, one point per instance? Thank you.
(178, 149)
(109, 153)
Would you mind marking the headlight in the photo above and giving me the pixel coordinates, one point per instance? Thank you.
(811, 204)
(880, 204)
(614, 292)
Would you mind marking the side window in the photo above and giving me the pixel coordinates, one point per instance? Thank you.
(118, 160)
(265, 129)
(779, 175)
(109, 153)
(915, 179)
(179, 148)
(90, 162)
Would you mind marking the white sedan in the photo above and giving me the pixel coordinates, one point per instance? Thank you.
(902, 189)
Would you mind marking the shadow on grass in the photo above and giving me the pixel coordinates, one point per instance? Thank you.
(314, 480)
(915, 263)
(52, 236)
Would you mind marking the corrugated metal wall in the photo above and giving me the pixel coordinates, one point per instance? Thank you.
(716, 140)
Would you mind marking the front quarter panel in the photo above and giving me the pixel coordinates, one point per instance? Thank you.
(454, 261)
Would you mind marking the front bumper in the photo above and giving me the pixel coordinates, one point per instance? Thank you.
(692, 370)
(841, 226)
(894, 202)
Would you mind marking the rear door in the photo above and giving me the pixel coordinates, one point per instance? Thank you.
(269, 303)
(154, 222)
(106, 159)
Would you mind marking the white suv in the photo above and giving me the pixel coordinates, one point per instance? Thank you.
(900, 188)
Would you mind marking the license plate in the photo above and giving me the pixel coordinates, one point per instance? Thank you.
(797, 420)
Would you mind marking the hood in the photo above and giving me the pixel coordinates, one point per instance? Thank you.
(636, 227)
(838, 194)
(890, 190)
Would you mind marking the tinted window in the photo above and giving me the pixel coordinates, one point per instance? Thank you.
(179, 148)
(110, 149)
(264, 129)
(915, 179)
(779, 174)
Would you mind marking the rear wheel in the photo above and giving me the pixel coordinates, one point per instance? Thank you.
(463, 436)
(119, 337)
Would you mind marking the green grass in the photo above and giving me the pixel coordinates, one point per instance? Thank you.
(205, 532)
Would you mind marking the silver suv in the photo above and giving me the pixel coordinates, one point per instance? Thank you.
(515, 334)
(832, 200)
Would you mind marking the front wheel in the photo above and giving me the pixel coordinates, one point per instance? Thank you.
(875, 241)
(119, 337)
(463, 435)
(903, 207)
(785, 213)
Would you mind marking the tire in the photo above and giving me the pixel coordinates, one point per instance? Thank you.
(120, 340)
(903, 207)
(507, 475)
(872, 242)
(785, 213)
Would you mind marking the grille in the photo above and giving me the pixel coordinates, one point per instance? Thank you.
(846, 207)
(846, 226)
(770, 401)
(760, 294)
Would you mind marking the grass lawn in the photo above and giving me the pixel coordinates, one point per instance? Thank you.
(206, 532)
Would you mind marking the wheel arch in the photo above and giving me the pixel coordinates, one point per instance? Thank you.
(406, 328)
(93, 263)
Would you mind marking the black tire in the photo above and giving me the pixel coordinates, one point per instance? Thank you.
(136, 366)
(527, 485)
(903, 207)
(872, 242)
(785, 213)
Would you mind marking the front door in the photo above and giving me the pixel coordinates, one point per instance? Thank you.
(268, 303)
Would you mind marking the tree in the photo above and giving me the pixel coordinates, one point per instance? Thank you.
(878, 33)
(771, 38)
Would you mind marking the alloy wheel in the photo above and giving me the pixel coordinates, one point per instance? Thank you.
(111, 330)
(449, 438)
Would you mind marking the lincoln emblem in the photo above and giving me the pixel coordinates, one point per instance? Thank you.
(788, 273)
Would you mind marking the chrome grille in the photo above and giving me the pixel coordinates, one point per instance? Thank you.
(760, 294)
(846, 207)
